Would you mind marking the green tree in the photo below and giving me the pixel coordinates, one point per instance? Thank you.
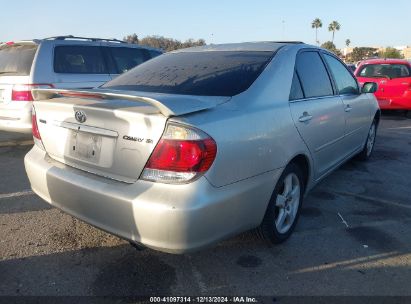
(329, 45)
(133, 38)
(390, 52)
(166, 44)
(316, 24)
(347, 42)
(333, 27)
(361, 53)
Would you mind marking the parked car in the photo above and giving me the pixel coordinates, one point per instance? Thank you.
(393, 77)
(58, 62)
(200, 144)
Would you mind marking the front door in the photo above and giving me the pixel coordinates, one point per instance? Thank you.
(356, 105)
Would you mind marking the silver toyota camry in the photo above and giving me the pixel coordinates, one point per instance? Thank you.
(201, 144)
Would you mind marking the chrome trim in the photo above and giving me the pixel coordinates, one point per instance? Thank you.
(87, 129)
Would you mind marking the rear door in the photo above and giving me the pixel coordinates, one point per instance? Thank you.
(356, 105)
(317, 113)
(16, 60)
(79, 65)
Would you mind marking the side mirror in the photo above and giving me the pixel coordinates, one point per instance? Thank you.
(369, 87)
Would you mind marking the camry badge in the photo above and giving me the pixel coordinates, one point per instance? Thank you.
(80, 116)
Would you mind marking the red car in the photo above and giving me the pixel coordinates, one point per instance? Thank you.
(393, 77)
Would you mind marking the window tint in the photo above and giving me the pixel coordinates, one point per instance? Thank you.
(313, 75)
(212, 73)
(384, 71)
(296, 90)
(79, 60)
(345, 82)
(16, 59)
(127, 58)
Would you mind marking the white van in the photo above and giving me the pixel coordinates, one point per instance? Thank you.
(65, 62)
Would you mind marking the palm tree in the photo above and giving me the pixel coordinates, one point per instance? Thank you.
(347, 42)
(316, 24)
(333, 27)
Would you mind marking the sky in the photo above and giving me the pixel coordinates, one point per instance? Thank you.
(364, 22)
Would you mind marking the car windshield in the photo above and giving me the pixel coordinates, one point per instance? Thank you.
(212, 73)
(385, 71)
(16, 59)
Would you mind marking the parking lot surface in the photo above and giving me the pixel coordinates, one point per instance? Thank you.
(353, 238)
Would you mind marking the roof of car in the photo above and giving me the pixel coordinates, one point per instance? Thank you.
(84, 40)
(269, 46)
(382, 61)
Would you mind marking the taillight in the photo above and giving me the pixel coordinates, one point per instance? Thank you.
(182, 155)
(22, 92)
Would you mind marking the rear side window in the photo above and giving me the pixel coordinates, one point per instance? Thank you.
(345, 82)
(313, 75)
(16, 59)
(296, 90)
(127, 58)
(79, 60)
(385, 71)
(209, 73)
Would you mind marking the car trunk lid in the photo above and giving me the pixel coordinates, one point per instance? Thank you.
(108, 133)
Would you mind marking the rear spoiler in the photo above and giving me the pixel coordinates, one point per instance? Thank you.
(168, 105)
(44, 94)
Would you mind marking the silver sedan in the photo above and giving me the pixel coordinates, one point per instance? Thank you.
(201, 144)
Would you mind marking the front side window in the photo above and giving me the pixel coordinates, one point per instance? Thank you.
(209, 73)
(313, 75)
(385, 71)
(346, 84)
(127, 58)
(79, 60)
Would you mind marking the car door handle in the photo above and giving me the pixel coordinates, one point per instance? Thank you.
(306, 117)
(348, 108)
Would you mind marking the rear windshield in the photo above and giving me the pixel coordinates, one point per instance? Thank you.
(213, 73)
(385, 71)
(16, 59)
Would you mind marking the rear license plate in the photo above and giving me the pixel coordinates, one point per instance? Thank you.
(85, 146)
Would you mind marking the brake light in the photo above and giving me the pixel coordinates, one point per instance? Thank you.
(182, 155)
(22, 92)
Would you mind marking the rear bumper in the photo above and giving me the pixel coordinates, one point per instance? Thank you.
(170, 218)
(399, 103)
(16, 120)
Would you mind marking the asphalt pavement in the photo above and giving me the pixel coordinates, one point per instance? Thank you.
(353, 238)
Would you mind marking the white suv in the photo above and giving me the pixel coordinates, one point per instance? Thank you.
(65, 62)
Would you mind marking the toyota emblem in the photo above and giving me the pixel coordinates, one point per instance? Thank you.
(80, 116)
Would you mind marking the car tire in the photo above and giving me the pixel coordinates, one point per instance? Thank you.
(366, 152)
(284, 207)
